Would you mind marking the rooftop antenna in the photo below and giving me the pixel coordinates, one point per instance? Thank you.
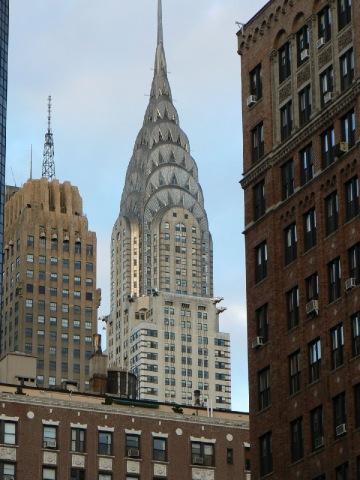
(48, 167)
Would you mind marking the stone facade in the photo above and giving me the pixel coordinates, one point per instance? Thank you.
(275, 402)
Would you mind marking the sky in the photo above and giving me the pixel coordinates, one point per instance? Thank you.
(96, 60)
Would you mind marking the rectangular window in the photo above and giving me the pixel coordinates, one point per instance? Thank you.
(312, 287)
(287, 179)
(347, 68)
(292, 303)
(7, 432)
(317, 428)
(314, 360)
(328, 146)
(352, 198)
(290, 243)
(297, 441)
(303, 44)
(295, 372)
(331, 213)
(334, 279)
(357, 405)
(306, 164)
(50, 437)
(284, 62)
(348, 128)
(159, 449)
(78, 436)
(132, 445)
(342, 472)
(339, 410)
(266, 460)
(264, 388)
(49, 473)
(286, 122)
(309, 229)
(305, 105)
(326, 85)
(257, 142)
(230, 456)
(355, 328)
(77, 474)
(260, 262)
(256, 82)
(262, 323)
(324, 24)
(202, 454)
(354, 262)
(105, 443)
(344, 13)
(259, 200)
(337, 346)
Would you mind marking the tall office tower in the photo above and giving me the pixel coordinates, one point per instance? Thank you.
(301, 116)
(164, 322)
(50, 295)
(4, 37)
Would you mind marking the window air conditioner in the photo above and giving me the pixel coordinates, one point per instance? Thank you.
(305, 54)
(257, 342)
(50, 443)
(321, 42)
(343, 147)
(327, 97)
(133, 452)
(312, 307)
(319, 442)
(252, 99)
(340, 429)
(198, 460)
(350, 283)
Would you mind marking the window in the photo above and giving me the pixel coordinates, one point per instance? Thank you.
(303, 44)
(347, 66)
(355, 327)
(259, 199)
(305, 105)
(50, 437)
(132, 445)
(354, 262)
(334, 276)
(306, 164)
(77, 474)
(290, 238)
(159, 449)
(312, 287)
(262, 323)
(328, 146)
(352, 198)
(339, 409)
(317, 428)
(295, 372)
(331, 213)
(337, 346)
(324, 24)
(202, 454)
(230, 456)
(257, 142)
(7, 470)
(284, 62)
(341, 472)
(287, 179)
(256, 82)
(309, 229)
(49, 473)
(286, 121)
(292, 303)
(8, 432)
(264, 388)
(260, 262)
(314, 360)
(326, 85)
(78, 440)
(266, 461)
(348, 128)
(297, 442)
(105, 443)
(357, 405)
(344, 12)
(108, 476)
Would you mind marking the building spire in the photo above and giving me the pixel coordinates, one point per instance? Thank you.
(160, 38)
(48, 167)
(160, 83)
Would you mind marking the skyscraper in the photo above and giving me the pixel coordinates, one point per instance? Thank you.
(301, 115)
(164, 322)
(4, 37)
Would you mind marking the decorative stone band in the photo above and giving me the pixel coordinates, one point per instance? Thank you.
(50, 422)
(106, 429)
(160, 435)
(78, 425)
(203, 440)
(9, 419)
(133, 432)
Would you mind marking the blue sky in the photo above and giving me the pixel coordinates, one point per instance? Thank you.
(96, 60)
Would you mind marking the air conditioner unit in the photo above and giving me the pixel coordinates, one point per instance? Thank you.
(343, 147)
(321, 42)
(198, 460)
(340, 429)
(257, 342)
(319, 442)
(252, 99)
(350, 283)
(50, 443)
(327, 97)
(312, 307)
(305, 54)
(133, 452)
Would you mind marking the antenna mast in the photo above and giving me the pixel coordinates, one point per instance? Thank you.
(48, 167)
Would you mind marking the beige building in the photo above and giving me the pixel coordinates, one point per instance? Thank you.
(50, 295)
(164, 322)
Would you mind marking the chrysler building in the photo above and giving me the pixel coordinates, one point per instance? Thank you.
(164, 320)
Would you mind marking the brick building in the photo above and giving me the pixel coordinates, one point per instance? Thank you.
(59, 435)
(301, 111)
